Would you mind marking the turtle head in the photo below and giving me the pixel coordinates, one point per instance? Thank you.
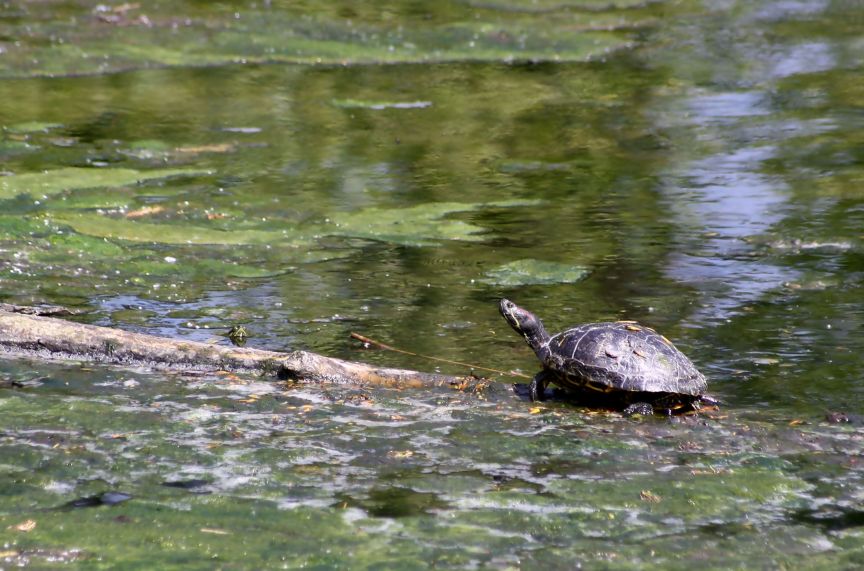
(524, 322)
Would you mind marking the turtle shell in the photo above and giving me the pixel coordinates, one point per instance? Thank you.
(621, 355)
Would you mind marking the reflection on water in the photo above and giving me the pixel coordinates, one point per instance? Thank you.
(727, 199)
(718, 108)
(809, 57)
(788, 9)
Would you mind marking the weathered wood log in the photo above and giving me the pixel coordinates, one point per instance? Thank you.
(25, 333)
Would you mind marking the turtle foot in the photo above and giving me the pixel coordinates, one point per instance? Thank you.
(639, 408)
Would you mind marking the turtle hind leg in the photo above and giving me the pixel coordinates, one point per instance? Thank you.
(537, 386)
(640, 408)
(669, 404)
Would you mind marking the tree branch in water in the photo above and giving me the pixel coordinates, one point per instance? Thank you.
(26, 333)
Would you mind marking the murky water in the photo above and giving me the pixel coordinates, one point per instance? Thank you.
(701, 173)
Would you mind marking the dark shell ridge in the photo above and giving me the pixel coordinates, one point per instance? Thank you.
(624, 356)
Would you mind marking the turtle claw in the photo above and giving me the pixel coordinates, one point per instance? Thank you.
(532, 391)
(537, 388)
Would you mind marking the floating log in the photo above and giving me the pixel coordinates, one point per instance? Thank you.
(29, 332)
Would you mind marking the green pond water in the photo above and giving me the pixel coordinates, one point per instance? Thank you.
(309, 170)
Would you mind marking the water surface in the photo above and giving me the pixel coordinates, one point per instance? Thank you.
(694, 166)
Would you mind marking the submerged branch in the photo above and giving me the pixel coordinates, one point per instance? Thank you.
(370, 341)
(27, 335)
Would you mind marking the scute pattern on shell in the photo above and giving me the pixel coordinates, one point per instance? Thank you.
(623, 356)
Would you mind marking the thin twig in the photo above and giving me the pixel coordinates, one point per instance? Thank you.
(365, 339)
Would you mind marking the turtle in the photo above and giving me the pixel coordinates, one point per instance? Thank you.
(622, 362)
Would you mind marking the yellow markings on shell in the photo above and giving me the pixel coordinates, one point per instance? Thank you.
(598, 387)
(633, 328)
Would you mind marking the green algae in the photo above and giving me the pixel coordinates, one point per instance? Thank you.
(534, 272)
(86, 37)
(421, 225)
(32, 127)
(137, 231)
(55, 181)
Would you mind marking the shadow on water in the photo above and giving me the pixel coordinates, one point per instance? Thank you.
(394, 503)
(837, 519)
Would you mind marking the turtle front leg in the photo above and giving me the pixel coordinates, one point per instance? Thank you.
(537, 386)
